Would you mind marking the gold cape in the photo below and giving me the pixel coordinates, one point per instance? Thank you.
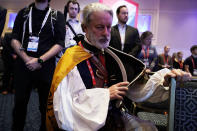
(68, 61)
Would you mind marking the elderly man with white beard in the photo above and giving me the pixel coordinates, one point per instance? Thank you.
(81, 97)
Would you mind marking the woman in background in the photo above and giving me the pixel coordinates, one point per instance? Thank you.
(148, 52)
(178, 61)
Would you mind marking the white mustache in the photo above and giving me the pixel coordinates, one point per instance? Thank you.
(104, 39)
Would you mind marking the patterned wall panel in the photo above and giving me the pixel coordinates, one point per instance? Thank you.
(186, 109)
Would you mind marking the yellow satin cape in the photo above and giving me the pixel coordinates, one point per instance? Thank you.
(68, 61)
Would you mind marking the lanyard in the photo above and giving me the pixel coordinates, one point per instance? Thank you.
(194, 67)
(146, 55)
(43, 23)
(180, 64)
(90, 69)
(24, 25)
(91, 73)
(165, 59)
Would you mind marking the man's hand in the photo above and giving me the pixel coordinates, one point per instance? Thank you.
(148, 70)
(118, 90)
(179, 74)
(165, 66)
(33, 64)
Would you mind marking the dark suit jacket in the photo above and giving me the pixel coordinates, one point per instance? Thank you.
(132, 40)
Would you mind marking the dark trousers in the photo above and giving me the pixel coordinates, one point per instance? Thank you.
(8, 62)
(24, 80)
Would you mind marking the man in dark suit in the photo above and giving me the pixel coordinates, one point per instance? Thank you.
(165, 60)
(123, 36)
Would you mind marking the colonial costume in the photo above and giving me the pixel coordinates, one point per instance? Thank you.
(79, 99)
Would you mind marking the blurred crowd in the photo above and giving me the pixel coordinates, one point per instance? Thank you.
(155, 62)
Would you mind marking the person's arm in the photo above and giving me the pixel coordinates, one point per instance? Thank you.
(162, 79)
(178, 74)
(186, 68)
(52, 52)
(17, 36)
(152, 86)
(74, 104)
(33, 63)
(16, 45)
(59, 38)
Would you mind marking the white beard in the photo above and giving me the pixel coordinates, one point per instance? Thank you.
(97, 42)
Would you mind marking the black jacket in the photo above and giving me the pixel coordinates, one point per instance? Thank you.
(132, 40)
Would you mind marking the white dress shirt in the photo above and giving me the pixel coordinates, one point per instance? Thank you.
(122, 31)
(76, 25)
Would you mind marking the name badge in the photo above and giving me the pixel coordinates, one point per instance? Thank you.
(33, 44)
(146, 62)
(195, 72)
(151, 51)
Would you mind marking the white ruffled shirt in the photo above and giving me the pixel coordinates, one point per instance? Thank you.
(79, 109)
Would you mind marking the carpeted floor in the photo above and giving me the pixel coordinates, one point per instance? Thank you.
(33, 114)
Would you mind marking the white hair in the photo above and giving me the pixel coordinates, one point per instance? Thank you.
(94, 7)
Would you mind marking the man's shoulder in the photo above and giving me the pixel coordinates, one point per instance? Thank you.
(57, 14)
(131, 27)
(115, 26)
(188, 59)
(22, 14)
(26, 9)
(114, 29)
(74, 55)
